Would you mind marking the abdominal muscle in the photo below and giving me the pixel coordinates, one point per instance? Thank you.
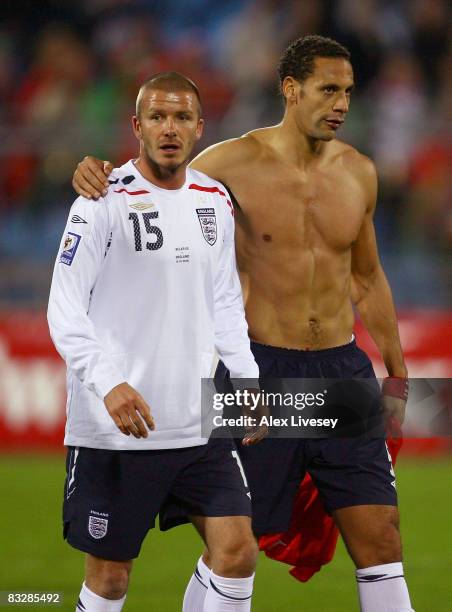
(300, 302)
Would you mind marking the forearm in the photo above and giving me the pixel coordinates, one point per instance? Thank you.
(231, 339)
(84, 354)
(74, 277)
(231, 329)
(376, 309)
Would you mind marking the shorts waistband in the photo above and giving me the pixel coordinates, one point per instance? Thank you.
(267, 349)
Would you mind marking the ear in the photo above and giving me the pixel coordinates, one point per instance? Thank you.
(199, 129)
(290, 89)
(136, 125)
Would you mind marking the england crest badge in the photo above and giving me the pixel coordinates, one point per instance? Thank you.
(208, 223)
(97, 527)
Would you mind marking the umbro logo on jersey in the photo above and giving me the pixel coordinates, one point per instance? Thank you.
(142, 205)
(77, 219)
(208, 223)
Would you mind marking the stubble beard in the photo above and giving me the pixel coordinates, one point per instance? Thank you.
(164, 169)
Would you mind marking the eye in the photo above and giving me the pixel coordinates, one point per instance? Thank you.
(156, 117)
(328, 90)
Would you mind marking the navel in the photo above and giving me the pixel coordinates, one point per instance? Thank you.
(266, 237)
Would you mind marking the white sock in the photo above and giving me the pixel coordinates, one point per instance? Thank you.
(229, 594)
(90, 602)
(196, 590)
(382, 588)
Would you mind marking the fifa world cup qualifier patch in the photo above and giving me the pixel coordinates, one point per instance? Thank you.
(70, 247)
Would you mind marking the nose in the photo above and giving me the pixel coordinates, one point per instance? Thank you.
(341, 103)
(169, 126)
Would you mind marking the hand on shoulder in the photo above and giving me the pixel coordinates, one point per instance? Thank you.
(90, 178)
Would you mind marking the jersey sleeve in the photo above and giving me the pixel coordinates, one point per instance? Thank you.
(82, 251)
(231, 329)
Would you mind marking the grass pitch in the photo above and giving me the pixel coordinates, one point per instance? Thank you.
(33, 556)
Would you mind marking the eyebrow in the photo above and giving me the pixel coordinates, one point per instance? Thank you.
(160, 111)
(336, 86)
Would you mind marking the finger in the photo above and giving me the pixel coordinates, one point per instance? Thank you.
(133, 429)
(97, 168)
(96, 178)
(258, 436)
(130, 420)
(145, 412)
(255, 436)
(138, 424)
(81, 191)
(128, 423)
(120, 425)
(107, 167)
(248, 440)
(79, 182)
(93, 163)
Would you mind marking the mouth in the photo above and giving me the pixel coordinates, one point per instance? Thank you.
(334, 124)
(170, 147)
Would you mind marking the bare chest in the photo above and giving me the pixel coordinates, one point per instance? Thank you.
(290, 210)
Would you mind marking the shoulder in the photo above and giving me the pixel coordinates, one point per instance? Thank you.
(87, 208)
(360, 168)
(124, 175)
(358, 164)
(122, 179)
(86, 215)
(205, 182)
(218, 159)
(199, 181)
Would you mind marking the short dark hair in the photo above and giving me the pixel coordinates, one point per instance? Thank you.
(168, 81)
(297, 60)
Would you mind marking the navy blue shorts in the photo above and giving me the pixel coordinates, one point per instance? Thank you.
(112, 498)
(347, 471)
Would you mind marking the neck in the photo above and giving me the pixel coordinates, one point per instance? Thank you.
(298, 147)
(166, 178)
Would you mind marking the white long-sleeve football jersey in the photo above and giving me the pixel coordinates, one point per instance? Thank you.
(144, 289)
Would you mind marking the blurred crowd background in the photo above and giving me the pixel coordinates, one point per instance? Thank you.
(69, 73)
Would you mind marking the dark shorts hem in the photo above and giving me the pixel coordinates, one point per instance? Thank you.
(168, 523)
(107, 554)
(272, 530)
(330, 508)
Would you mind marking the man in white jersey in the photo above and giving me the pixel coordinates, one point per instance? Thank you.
(145, 288)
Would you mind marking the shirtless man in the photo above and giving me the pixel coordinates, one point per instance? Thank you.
(307, 253)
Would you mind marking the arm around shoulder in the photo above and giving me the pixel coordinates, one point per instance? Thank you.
(90, 178)
(220, 160)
